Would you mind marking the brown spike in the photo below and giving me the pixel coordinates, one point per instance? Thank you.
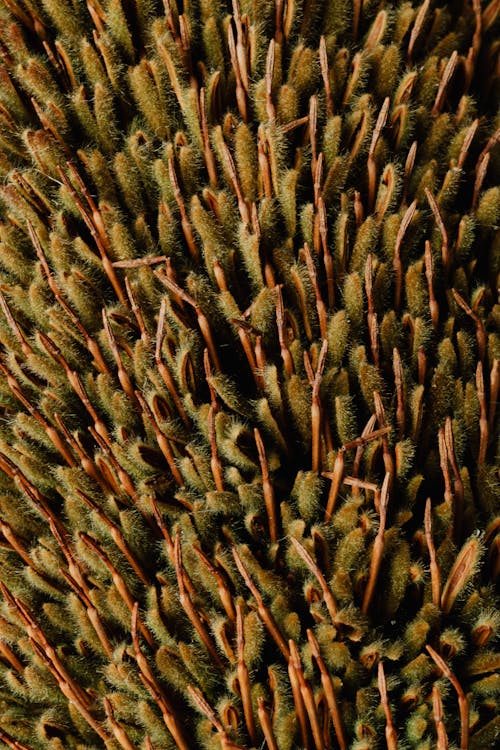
(480, 331)
(154, 688)
(271, 111)
(191, 611)
(95, 225)
(320, 305)
(298, 700)
(434, 567)
(390, 732)
(387, 454)
(161, 439)
(367, 431)
(372, 169)
(409, 164)
(118, 581)
(185, 222)
(483, 420)
(120, 734)
(83, 593)
(316, 410)
(233, 176)
(263, 611)
(92, 345)
(429, 272)
(8, 655)
(330, 602)
(378, 547)
(267, 488)
(469, 136)
(307, 696)
(437, 705)
(14, 326)
(207, 149)
(266, 724)
(328, 687)
(280, 322)
(463, 703)
(445, 251)
(494, 390)
(336, 481)
(17, 545)
(397, 263)
(444, 83)
(225, 593)
(417, 27)
(123, 375)
(244, 677)
(323, 59)
(118, 538)
(202, 320)
(356, 17)
(399, 382)
(371, 317)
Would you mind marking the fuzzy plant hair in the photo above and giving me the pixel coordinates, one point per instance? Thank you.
(249, 370)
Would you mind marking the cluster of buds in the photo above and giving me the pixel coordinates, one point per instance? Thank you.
(249, 370)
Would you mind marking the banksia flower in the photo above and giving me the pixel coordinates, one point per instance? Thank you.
(249, 372)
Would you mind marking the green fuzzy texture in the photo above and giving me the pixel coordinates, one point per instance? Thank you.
(249, 374)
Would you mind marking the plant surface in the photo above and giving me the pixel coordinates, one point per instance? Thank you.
(249, 366)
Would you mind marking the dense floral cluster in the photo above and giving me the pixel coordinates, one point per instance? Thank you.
(249, 365)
